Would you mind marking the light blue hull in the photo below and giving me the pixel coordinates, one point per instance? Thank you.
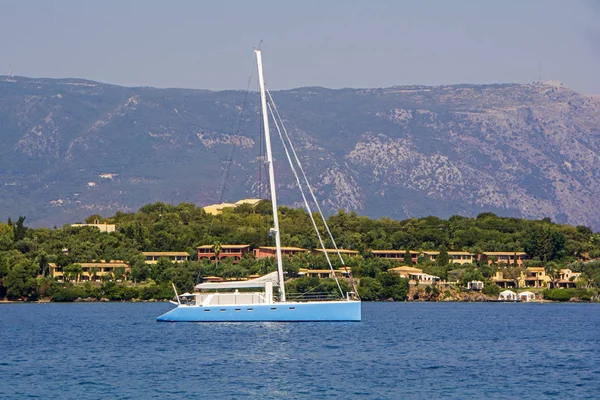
(281, 312)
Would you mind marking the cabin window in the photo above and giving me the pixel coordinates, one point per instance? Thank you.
(292, 308)
(223, 309)
(250, 309)
(273, 308)
(206, 310)
(238, 309)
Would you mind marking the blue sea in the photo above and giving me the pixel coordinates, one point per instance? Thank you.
(398, 351)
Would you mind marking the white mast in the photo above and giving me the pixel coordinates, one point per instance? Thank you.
(263, 102)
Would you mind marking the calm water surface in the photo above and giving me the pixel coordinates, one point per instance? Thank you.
(400, 350)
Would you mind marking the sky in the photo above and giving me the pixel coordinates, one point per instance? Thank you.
(329, 43)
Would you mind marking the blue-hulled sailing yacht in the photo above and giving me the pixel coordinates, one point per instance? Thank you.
(223, 302)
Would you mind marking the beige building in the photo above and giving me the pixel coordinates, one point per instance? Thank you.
(344, 252)
(90, 271)
(536, 277)
(567, 279)
(152, 257)
(269, 251)
(505, 282)
(414, 274)
(235, 252)
(216, 209)
(455, 257)
(325, 273)
(396, 255)
(102, 227)
(504, 257)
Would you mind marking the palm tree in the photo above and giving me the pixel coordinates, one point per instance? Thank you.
(553, 271)
(217, 250)
(94, 273)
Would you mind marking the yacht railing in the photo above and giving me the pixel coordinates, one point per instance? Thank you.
(312, 296)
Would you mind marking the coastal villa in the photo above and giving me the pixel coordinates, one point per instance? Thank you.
(325, 273)
(414, 274)
(152, 257)
(566, 279)
(212, 279)
(504, 282)
(461, 257)
(104, 227)
(216, 209)
(536, 277)
(90, 271)
(344, 252)
(268, 251)
(397, 255)
(455, 257)
(504, 257)
(232, 251)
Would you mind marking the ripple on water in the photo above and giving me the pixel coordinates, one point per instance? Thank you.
(400, 350)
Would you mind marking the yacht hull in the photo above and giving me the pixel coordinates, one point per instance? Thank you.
(276, 312)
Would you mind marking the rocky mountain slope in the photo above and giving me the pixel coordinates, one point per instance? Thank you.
(71, 148)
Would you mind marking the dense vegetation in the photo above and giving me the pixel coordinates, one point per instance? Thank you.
(25, 253)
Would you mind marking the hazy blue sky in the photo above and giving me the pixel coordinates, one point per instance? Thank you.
(336, 43)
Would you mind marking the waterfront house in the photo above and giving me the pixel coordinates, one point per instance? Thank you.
(152, 257)
(268, 251)
(455, 257)
(397, 255)
(504, 257)
(212, 279)
(536, 277)
(325, 273)
(414, 274)
(343, 252)
(93, 271)
(566, 279)
(461, 257)
(504, 282)
(235, 252)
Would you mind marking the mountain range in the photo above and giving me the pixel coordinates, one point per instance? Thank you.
(72, 148)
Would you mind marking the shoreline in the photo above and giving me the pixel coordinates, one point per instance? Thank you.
(540, 301)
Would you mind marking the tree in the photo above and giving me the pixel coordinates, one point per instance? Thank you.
(408, 258)
(393, 286)
(140, 271)
(513, 273)
(73, 271)
(19, 229)
(94, 273)
(443, 258)
(7, 236)
(472, 275)
(20, 281)
(217, 250)
(161, 271)
(545, 243)
(553, 271)
(119, 273)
